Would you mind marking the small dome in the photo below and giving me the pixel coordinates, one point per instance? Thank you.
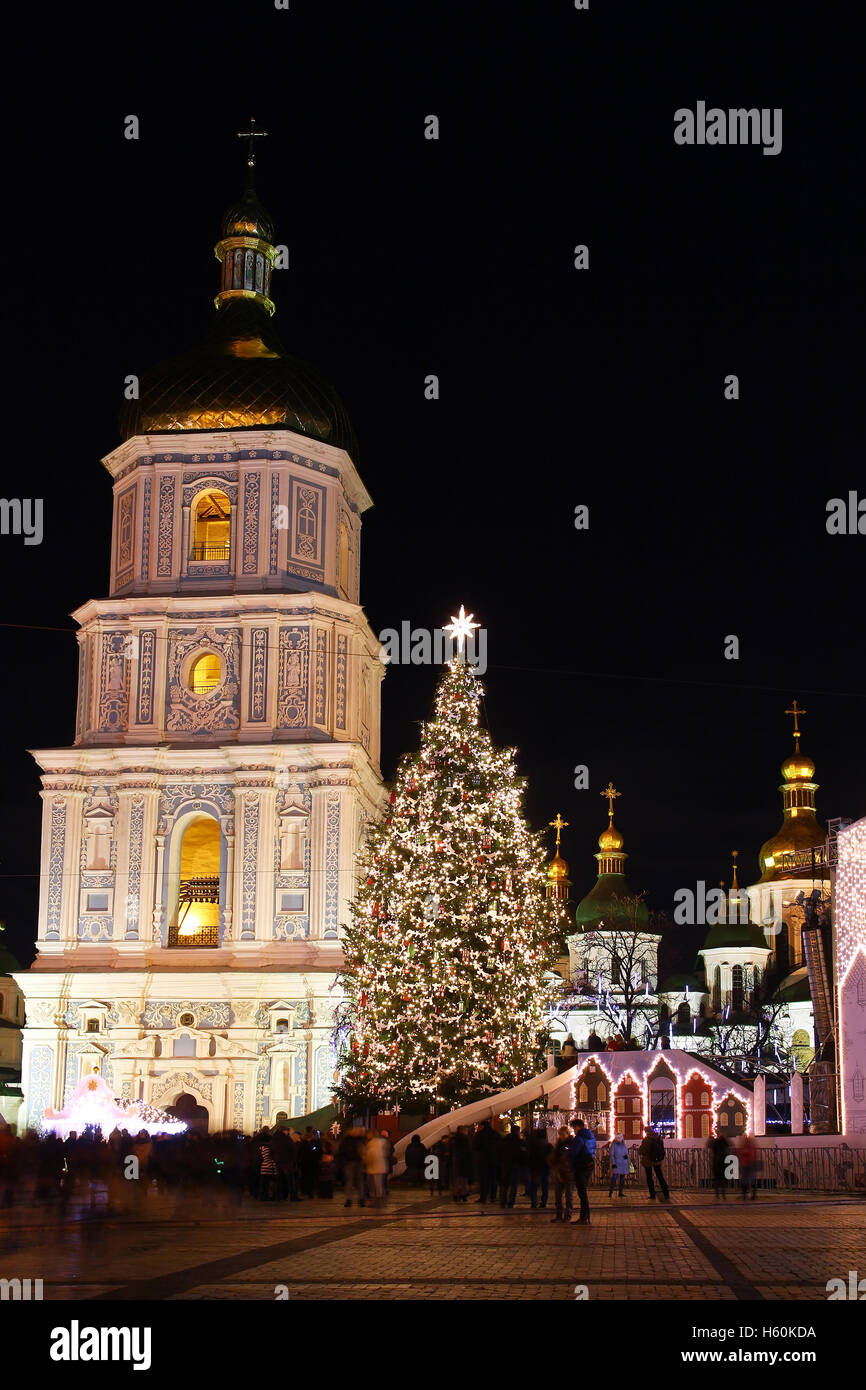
(240, 377)
(247, 217)
(557, 869)
(798, 768)
(610, 839)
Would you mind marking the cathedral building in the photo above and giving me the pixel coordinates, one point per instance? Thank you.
(199, 837)
(759, 932)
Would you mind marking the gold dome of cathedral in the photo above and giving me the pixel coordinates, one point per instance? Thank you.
(240, 376)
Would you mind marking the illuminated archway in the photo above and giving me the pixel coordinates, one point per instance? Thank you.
(210, 526)
(195, 881)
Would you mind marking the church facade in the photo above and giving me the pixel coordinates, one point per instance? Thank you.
(199, 837)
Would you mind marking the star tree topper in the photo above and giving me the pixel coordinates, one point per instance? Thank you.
(461, 627)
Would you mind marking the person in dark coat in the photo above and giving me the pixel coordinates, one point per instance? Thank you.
(349, 1160)
(512, 1162)
(443, 1152)
(462, 1164)
(485, 1146)
(594, 1043)
(538, 1149)
(583, 1157)
(718, 1147)
(652, 1156)
(562, 1168)
(415, 1155)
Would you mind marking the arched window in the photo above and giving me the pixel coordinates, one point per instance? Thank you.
(210, 527)
(205, 673)
(282, 1025)
(717, 989)
(737, 989)
(684, 1018)
(195, 917)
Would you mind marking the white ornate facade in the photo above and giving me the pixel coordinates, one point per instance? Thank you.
(226, 759)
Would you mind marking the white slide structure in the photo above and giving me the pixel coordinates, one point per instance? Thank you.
(542, 1087)
(556, 1090)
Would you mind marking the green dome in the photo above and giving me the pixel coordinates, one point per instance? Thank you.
(742, 934)
(605, 903)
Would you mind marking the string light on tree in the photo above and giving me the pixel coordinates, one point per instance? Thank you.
(451, 936)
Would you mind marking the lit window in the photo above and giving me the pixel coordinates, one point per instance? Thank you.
(211, 527)
(205, 673)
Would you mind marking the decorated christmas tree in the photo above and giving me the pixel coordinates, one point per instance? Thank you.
(444, 984)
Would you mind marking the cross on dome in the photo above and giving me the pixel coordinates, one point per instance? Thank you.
(559, 825)
(610, 792)
(796, 713)
(252, 135)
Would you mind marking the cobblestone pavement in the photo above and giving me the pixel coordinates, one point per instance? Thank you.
(779, 1248)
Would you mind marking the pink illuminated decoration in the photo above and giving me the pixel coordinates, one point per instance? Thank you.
(850, 947)
(93, 1103)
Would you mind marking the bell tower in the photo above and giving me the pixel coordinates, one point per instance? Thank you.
(199, 837)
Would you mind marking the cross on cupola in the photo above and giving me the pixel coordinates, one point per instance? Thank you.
(610, 792)
(558, 825)
(252, 135)
(796, 713)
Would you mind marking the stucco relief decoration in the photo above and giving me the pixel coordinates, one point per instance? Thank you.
(165, 527)
(182, 1081)
(321, 674)
(39, 1084)
(125, 1013)
(273, 531)
(146, 659)
(307, 509)
(176, 795)
(94, 929)
(195, 481)
(332, 866)
(125, 533)
(291, 927)
(244, 1012)
(42, 1013)
(112, 683)
(238, 1106)
(212, 712)
(258, 673)
(136, 841)
(249, 865)
(164, 1013)
(342, 660)
(292, 681)
(252, 488)
(144, 569)
(54, 896)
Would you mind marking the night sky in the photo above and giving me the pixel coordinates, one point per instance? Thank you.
(558, 387)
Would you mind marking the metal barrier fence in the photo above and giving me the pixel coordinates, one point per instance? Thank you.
(834, 1168)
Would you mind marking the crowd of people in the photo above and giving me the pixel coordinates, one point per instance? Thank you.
(357, 1164)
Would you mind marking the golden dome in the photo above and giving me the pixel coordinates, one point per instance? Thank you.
(557, 869)
(798, 768)
(610, 839)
